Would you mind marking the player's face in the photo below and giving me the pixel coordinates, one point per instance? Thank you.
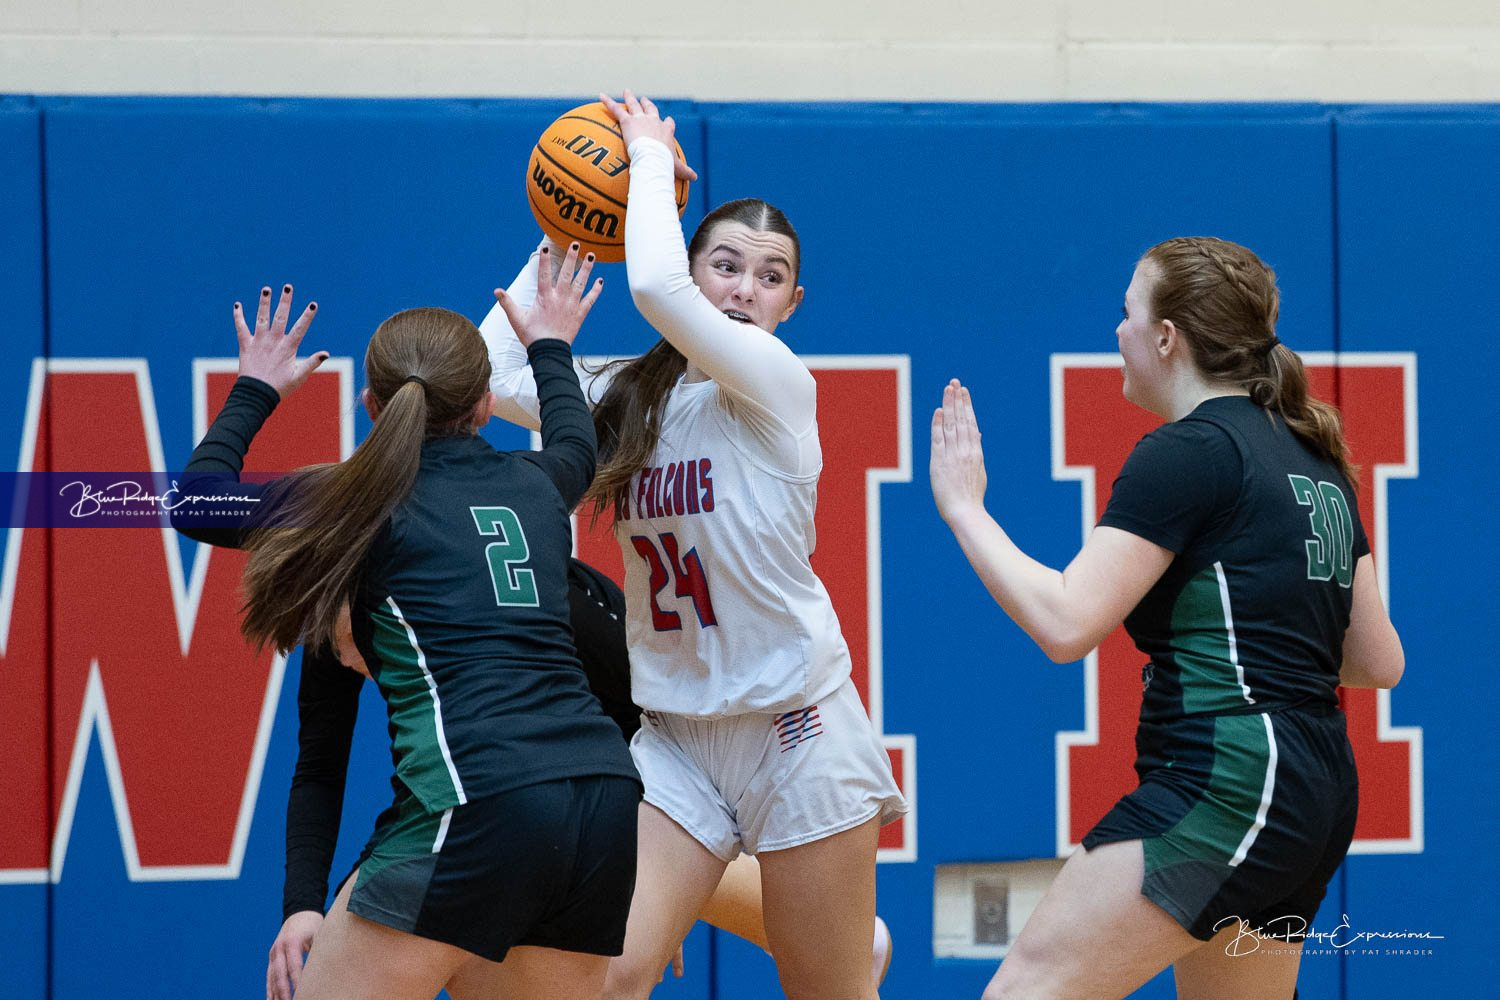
(747, 275)
(1139, 335)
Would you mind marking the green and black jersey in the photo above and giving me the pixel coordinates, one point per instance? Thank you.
(463, 619)
(1250, 615)
(462, 611)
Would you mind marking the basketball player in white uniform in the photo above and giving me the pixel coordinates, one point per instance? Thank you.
(754, 736)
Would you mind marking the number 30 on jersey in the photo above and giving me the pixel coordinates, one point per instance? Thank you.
(1330, 552)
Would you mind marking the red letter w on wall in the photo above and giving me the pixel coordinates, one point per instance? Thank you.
(1093, 430)
(103, 635)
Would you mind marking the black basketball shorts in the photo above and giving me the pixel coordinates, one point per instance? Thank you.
(1243, 818)
(550, 864)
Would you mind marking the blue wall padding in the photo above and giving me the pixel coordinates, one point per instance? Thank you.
(23, 908)
(978, 240)
(1418, 217)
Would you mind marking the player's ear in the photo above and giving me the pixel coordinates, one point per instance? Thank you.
(372, 405)
(483, 410)
(796, 301)
(1166, 338)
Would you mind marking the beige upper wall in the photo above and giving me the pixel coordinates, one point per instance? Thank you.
(963, 50)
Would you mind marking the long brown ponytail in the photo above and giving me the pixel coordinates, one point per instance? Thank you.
(627, 420)
(1223, 298)
(427, 369)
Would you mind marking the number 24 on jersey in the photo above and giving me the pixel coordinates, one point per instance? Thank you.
(684, 571)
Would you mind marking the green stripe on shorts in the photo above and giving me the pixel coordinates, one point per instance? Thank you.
(412, 837)
(1219, 825)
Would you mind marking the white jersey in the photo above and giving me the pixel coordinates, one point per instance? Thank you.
(725, 615)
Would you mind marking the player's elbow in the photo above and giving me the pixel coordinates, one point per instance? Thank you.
(805, 386)
(587, 466)
(648, 286)
(512, 401)
(182, 523)
(658, 293)
(185, 517)
(1062, 644)
(1066, 652)
(1393, 674)
(1374, 672)
(1378, 664)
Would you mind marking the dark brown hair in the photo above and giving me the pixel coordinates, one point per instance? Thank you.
(305, 556)
(1223, 299)
(627, 420)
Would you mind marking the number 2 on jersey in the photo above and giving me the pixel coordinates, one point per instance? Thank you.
(686, 571)
(514, 587)
(1330, 552)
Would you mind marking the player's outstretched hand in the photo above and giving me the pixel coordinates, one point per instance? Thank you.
(270, 353)
(288, 951)
(639, 117)
(563, 298)
(957, 469)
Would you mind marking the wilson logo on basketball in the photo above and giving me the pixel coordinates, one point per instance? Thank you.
(578, 181)
(571, 208)
(585, 148)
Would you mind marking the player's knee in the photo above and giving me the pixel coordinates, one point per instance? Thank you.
(628, 980)
(827, 980)
(1012, 988)
(842, 990)
(1022, 976)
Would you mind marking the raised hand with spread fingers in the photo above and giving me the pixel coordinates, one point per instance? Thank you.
(270, 353)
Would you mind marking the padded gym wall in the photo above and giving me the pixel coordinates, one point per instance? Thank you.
(992, 243)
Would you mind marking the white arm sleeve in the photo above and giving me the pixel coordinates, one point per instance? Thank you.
(510, 370)
(744, 359)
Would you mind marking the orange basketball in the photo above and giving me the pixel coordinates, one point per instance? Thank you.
(578, 179)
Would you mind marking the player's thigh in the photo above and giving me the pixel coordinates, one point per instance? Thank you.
(1093, 935)
(352, 956)
(531, 973)
(675, 876)
(1224, 968)
(827, 884)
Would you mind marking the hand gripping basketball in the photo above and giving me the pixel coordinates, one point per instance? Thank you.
(578, 180)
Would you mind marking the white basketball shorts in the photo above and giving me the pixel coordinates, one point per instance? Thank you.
(760, 782)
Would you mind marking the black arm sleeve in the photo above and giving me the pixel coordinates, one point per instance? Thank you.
(327, 705)
(568, 443)
(1177, 478)
(597, 609)
(328, 695)
(215, 466)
